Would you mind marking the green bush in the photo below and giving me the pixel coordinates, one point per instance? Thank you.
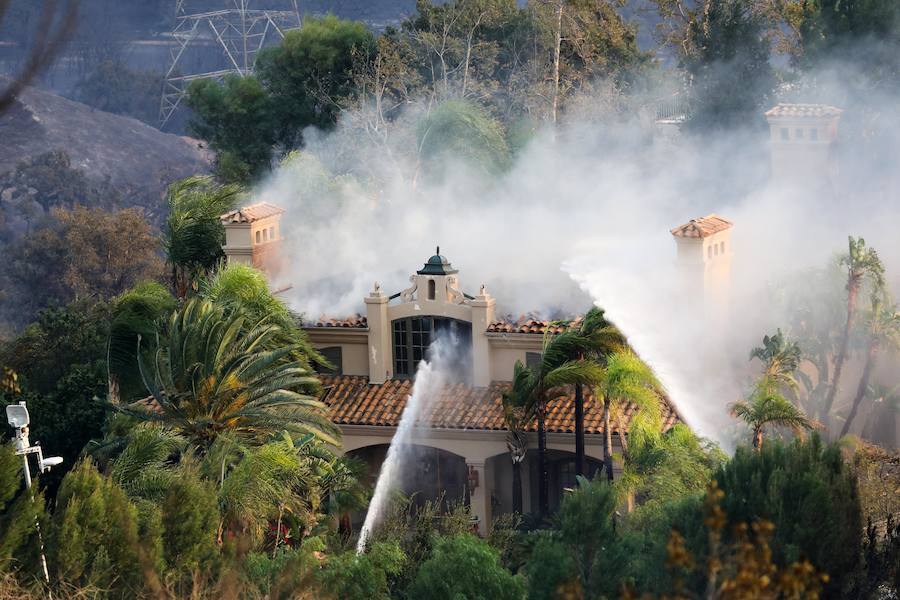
(807, 491)
(190, 518)
(94, 538)
(463, 566)
(550, 567)
(349, 576)
(19, 514)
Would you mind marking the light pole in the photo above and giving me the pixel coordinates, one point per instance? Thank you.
(17, 415)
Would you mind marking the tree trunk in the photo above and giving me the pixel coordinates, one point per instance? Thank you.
(556, 52)
(852, 291)
(863, 385)
(607, 443)
(517, 487)
(544, 483)
(757, 437)
(579, 430)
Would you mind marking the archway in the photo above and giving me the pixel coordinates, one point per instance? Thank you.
(428, 475)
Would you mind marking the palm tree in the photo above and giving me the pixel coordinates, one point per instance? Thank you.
(781, 358)
(515, 418)
(534, 388)
(194, 234)
(628, 379)
(213, 374)
(861, 262)
(884, 332)
(599, 338)
(767, 407)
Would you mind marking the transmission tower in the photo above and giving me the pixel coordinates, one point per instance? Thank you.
(214, 38)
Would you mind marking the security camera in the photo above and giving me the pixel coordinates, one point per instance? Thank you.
(50, 461)
(17, 415)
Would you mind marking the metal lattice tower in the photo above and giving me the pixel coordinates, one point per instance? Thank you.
(237, 29)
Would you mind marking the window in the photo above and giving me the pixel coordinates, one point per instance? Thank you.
(533, 360)
(722, 247)
(716, 249)
(401, 347)
(272, 233)
(709, 252)
(431, 289)
(258, 236)
(785, 134)
(265, 235)
(413, 336)
(333, 355)
(814, 134)
(799, 134)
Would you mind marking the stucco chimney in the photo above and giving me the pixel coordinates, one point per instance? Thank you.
(253, 237)
(704, 259)
(801, 138)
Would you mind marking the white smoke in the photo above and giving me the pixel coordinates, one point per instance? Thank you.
(582, 215)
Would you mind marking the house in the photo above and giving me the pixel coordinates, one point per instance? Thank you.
(460, 445)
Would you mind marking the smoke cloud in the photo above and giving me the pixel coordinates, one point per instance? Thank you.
(583, 215)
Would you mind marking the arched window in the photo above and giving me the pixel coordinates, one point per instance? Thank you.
(258, 237)
(272, 233)
(716, 249)
(722, 247)
(265, 235)
(709, 252)
(432, 289)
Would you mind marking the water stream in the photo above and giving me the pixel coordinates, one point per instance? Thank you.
(429, 378)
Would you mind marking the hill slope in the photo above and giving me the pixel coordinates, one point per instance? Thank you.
(134, 157)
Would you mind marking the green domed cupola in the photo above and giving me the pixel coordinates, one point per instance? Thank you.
(437, 265)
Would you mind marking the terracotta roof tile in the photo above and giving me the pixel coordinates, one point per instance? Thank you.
(530, 325)
(353, 321)
(249, 214)
(702, 227)
(352, 400)
(783, 110)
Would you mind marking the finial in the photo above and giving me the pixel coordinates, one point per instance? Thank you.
(437, 250)
(483, 289)
(377, 286)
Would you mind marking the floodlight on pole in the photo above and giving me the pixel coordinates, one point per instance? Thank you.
(18, 418)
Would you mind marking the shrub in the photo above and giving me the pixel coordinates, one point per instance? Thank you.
(807, 492)
(190, 518)
(463, 566)
(349, 576)
(94, 539)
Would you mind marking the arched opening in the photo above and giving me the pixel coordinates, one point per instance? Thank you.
(429, 475)
(432, 289)
(258, 237)
(562, 478)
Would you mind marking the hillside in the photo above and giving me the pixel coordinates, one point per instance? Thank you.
(131, 155)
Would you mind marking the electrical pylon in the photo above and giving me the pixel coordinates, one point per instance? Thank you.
(237, 29)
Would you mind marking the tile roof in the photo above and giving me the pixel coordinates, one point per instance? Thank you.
(356, 321)
(803, 110)
(352, 400)
(702, 227)
(249, 214)
(530, 325)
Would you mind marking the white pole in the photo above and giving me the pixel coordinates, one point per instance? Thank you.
(37, 525)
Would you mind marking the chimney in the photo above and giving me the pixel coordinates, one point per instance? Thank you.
(801, 142)
(704, 260)
(253, 237)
